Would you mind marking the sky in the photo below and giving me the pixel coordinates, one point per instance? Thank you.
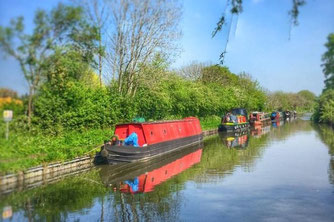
(259, 42)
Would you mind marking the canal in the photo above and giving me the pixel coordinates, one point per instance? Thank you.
(276, 173)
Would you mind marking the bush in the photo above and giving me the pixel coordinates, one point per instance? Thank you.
(9, 103)
(324, 111)
(75, 105)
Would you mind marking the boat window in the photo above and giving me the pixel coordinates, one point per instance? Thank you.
(151, 133)
(165, 131)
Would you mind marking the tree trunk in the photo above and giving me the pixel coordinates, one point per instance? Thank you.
(100, 58)
(30, 106)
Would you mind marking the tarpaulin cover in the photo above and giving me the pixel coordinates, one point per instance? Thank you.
(132, 140)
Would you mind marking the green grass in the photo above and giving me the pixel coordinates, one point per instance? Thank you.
(210, 122)
(24, 150)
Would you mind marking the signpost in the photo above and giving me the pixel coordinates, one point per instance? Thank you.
(7, 117)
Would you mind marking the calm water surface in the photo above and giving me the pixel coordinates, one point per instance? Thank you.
(281, 173)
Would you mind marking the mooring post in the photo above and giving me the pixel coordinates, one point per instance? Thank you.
(7, 130)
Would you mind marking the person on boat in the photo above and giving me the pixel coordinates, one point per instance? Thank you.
(226, 118)
(229, 118)
(234, 118)
(132, 140)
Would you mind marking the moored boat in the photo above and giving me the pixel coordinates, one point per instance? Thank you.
(142, 141)
(259, 118)
(287, 115)
(276, 116)
(235, 120)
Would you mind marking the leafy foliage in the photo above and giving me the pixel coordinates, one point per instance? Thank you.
(303, 101)
(325, 108)
(55, 32)
(328, 65)
(9, 101)
(4, 92)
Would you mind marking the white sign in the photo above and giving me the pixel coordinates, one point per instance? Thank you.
(7, 115)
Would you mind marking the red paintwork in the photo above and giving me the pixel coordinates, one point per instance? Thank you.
(157, 132)
(278, 116)
(258, 118)
(148, 181)
(242, 139)
(259, 131)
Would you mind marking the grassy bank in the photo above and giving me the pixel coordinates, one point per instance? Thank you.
(24, 150)
(210, 122)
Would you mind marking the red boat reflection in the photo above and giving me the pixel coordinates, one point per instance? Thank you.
(146, 182)
(259, 131)
(143, 177)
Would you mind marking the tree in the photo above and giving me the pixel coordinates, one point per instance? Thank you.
(328, 62)
(138, 30)
(62, 28)
(236, 8)
(220, 75)
(324, 111)
(4, 92)
(97, 13)
(193, 71)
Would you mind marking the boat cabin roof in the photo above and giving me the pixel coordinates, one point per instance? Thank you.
(158, 122)
(239, 111)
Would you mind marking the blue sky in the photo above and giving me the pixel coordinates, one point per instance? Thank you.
(259, 42)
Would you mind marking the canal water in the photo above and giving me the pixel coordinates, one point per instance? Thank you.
(283, 172)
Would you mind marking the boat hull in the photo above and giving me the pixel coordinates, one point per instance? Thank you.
(260, 122)
(233, 128)
(118, 154)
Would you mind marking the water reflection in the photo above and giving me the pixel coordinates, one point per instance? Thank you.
(259, 131)
(275, 174)
(326, 134)
(143, 177)
(277, 123)
(237, 140)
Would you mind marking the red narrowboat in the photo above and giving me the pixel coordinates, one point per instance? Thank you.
(141, 141)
